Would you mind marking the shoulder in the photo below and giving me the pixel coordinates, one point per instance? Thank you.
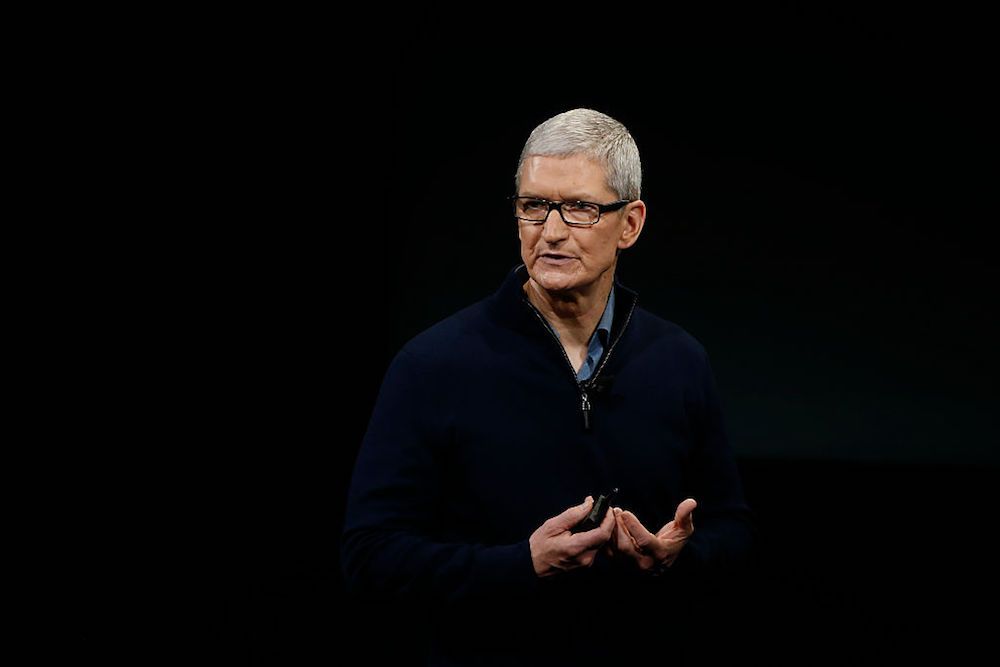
(667, 334)
(452, 340)
(659, 341)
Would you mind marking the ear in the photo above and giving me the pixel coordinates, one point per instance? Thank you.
(635, 218)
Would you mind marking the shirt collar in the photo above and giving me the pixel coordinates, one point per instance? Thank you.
(603, 331)
(604, 326)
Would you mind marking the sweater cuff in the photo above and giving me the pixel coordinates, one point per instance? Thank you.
(508, 568)
(688, 558)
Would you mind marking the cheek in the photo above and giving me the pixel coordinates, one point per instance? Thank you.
(600, 246)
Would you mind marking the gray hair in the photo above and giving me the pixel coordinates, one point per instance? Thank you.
(594, 135)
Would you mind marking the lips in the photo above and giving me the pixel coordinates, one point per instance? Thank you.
(555, 258)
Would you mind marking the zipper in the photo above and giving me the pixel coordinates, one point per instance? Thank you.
(607, 355)
(569, 364)
(583, 387)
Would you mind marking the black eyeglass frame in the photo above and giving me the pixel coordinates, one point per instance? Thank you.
(601, 209)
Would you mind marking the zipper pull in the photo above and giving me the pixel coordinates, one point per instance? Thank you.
(585, 406)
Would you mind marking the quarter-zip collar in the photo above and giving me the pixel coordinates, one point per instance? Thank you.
(509, 306)
(515, 310)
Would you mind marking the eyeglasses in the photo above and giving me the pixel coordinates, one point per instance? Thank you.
(576, 213)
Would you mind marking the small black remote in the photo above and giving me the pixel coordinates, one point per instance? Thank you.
(597, 512)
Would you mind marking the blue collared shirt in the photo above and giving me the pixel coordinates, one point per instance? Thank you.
(598, 340)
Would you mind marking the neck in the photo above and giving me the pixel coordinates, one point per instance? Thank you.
(573, 313)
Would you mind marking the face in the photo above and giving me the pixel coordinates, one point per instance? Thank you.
(561, 258)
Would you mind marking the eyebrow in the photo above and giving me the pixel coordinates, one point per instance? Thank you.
(578, 198)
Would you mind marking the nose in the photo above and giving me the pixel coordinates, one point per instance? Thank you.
(554, 229)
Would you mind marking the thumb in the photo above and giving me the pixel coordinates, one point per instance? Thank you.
(684, 517)
(634, 528)
(573, 515)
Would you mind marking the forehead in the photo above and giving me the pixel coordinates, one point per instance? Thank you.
(570, 176)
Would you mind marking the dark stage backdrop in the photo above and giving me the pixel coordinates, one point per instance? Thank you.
(819, 218)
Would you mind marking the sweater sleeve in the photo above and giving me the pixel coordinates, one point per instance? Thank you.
(394, 541)
(723, 529)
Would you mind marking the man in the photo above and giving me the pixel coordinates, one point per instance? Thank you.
(497, 429)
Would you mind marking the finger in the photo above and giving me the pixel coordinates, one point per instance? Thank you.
(626, 545)
(586, 559)
(609, 547)
(684, 517)
(587, 541)
(608, 525)
(640, 535)
(624, 540)
(571, 516)
(596, 537)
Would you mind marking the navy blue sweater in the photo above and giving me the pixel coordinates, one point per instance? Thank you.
(481, 432)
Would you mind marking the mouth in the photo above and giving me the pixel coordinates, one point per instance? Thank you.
(555, 258)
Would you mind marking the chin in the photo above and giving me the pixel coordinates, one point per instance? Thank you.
(555, 280)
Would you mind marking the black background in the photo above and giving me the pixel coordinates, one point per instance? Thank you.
(820, 192)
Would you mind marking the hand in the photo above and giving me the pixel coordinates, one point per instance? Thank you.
(554, 548)
(648, 550)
